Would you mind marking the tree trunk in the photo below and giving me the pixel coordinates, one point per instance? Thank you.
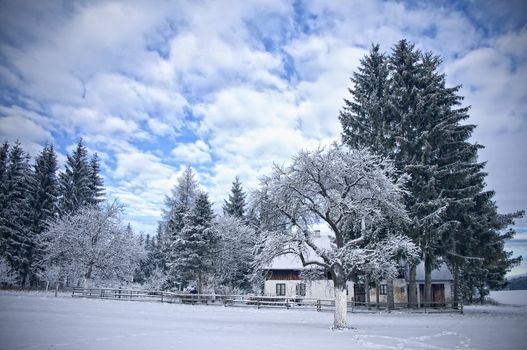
(412, 287)
(377, 295)
(341, 301)
(455, 287)
(367, 290)
(87, 277)
(389, 296)
(200, 285)
(428, 280)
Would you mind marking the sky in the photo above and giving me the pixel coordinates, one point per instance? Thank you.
(229, 87)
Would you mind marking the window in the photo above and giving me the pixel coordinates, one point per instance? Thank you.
(280, 289)
(382, 289)
(301, 289)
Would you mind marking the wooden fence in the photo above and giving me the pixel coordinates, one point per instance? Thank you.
(252, 301)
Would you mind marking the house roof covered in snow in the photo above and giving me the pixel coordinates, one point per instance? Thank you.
(292, 262)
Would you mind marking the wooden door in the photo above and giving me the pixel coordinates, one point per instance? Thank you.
(438, 294)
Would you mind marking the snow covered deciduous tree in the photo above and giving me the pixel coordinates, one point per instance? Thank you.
(234, 256)
(341, 188)
(195, 245)
(92, 244)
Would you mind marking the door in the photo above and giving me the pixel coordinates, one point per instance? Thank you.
(438, 294)
(359, 293)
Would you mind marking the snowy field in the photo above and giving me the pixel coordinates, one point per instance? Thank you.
(510, 297)
(40, 321)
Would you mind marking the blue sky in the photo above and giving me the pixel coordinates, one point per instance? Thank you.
(229, 87)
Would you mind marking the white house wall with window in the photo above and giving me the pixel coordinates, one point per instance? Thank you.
(284, 279)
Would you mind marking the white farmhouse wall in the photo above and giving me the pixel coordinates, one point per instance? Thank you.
(319, 289)
(323, 289)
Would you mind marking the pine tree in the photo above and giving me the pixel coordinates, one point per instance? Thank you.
(76, 185)
(194, 246)
(418, 124)
(43, 193)
(4, 164)
(96, 181)
(178, 206)
(4, 156)
(235, 206)
(365, 119)
(14, 226)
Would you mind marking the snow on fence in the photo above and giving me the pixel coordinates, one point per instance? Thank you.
(252, 300)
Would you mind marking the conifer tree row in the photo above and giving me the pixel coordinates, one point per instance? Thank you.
(401, 109)
(33, 196)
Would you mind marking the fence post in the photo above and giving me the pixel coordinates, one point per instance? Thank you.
(319, 307)
(56, 289)
(162, 296)
(258, 303)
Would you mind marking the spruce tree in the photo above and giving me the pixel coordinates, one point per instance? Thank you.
(178, 206)
(76, 185)
(14, 223)
(96, 181)
(4, 156)
(235, 206)
(195, 245)
(418, 124)
(365, 119)
(43, 194)
(4, 163)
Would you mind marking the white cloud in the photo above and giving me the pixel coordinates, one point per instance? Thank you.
(192, 153)
(133, 78)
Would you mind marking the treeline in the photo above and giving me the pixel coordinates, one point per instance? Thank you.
(33, 198)
(55, 226)
(194, 249)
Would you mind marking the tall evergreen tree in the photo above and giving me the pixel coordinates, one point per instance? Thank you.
(178, 206)
(235, 206)
(14, 226)
(365, 120)
(4, 156)
(75, 182)
(195, 245)
(43, 194)
(96, 181)
(4, 163)
(418, 124)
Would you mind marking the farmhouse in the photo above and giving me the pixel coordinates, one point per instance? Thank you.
(284, 278)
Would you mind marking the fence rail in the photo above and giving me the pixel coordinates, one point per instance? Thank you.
(253, 301)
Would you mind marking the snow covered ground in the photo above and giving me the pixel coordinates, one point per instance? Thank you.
(510, 297)
(40, 321)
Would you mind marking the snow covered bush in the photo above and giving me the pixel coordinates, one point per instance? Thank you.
(234, 256)
(7, 275)
(91, 244)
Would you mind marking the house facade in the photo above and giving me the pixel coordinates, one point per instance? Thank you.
(284, 279)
